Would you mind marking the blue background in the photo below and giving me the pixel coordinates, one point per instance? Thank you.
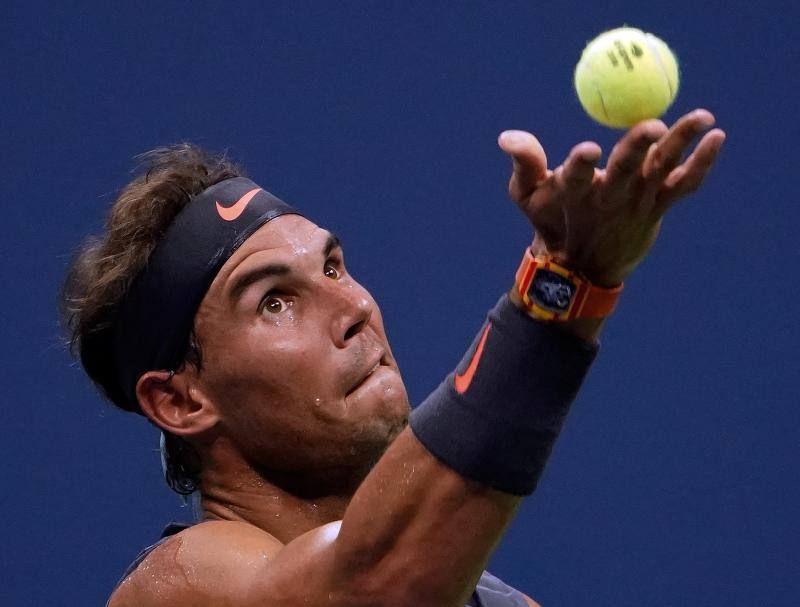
(675, 482)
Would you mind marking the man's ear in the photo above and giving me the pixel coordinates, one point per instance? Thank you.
(174, 403)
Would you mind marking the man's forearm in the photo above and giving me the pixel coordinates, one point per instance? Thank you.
(417, 532)
(417, 525)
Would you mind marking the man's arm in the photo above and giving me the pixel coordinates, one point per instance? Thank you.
(417, 532)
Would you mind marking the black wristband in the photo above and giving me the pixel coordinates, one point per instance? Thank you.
(499, 431)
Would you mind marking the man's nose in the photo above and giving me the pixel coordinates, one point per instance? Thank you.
(352, 311)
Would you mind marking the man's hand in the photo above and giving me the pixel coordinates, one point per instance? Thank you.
(602, 222)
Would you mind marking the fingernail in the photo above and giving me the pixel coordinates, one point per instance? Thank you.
(512, 137)
(706, 118)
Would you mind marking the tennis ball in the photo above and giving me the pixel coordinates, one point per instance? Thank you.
(626, 75)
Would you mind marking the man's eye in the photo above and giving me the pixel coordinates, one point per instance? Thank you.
(331, 271)
(273, 304)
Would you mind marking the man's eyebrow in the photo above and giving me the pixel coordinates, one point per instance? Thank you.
(332, 243)
(253, 276)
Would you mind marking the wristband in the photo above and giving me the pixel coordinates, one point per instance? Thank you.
(495, 419)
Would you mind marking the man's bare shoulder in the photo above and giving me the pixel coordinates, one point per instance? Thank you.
(201, 564)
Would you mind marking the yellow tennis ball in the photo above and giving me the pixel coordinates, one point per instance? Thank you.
(626, 75)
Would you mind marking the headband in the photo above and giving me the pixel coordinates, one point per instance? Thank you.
(157, 314)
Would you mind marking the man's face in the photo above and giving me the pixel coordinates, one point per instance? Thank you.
(295, 357)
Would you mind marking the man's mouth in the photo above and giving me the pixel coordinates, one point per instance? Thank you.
(381, 362)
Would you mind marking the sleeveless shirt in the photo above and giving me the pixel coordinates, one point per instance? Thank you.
(490, 591)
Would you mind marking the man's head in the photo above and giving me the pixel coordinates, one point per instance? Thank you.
(286, 335)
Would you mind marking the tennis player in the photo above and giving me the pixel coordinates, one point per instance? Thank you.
(228, 319)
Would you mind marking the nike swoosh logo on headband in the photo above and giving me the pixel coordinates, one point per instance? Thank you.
(237, 208)
(462, 382)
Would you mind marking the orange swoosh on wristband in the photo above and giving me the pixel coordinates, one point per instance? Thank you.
(462, 382)
(237, 208)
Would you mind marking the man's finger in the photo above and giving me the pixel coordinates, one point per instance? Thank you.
(571, 183)
(665, 155)
(576, 176)
(530, 162)
(686, 178)
(625, 162)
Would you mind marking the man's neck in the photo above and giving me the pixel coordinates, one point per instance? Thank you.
(284, 505)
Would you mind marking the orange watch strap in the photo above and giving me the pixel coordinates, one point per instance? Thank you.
(599, 302)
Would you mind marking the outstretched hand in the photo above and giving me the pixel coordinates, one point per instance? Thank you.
(602, 222)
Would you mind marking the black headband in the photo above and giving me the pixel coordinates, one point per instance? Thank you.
(157, 315)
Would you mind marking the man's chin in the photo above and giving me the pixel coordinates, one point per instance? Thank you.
(399, 426)
(376, 436)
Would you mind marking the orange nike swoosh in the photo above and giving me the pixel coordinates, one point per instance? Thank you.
(463, 381)
(237, 208)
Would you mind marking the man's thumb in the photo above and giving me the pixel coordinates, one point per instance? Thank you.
(530, 162)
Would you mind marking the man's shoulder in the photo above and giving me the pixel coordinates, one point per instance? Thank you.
(200, 563)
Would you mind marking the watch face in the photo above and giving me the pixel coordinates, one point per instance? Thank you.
(551, 291)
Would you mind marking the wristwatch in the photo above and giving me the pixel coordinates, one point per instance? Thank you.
(554, 293)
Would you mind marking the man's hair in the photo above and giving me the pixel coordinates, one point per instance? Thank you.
(105, 266)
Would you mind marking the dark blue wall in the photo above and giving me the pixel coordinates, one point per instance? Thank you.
(675, 482)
